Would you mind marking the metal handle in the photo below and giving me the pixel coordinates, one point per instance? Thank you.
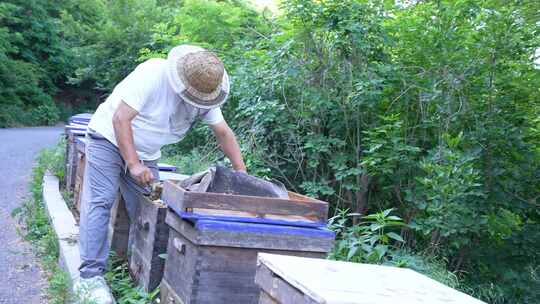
(179, 245)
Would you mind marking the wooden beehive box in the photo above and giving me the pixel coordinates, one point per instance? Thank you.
(119, 225)
(71, 160)
(80, 147)
(211, 261)
(286, 279)
(72, 133)
(297, 208)
(150, 236)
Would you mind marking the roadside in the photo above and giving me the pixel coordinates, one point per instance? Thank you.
(24, 280)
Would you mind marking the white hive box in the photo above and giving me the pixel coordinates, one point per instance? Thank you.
(288, 279)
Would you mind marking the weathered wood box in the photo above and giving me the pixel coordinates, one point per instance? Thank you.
(211, 261)
(119, 226)
(295, 209)
(214, 240)
(80, 147)
(286, 279)
(141, 240)
(150, 237)
(72, 160)
(76, 128)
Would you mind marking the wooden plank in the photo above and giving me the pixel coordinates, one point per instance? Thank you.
(167, 295)
(181, 268)
(71, 160)
(182, 227)
(248, 239)
(119, 228)
(326, 281)
(266, 299)
(79, 180)
(276, 290)
(226, 275)
(182, 200)
(150, 237)
(146, 273)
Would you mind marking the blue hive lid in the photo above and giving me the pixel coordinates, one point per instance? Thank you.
(82, 118)
(256, 225)
(209, 225)
(166, 167)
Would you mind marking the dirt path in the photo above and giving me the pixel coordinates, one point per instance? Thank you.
(22, 279)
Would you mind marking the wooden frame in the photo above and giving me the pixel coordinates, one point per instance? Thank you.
(119, 227)
(276, 290)
(150, 237)
(297, 207)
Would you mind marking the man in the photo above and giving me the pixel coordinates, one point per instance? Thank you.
(153, 106)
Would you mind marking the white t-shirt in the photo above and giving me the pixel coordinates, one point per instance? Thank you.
(163, 117)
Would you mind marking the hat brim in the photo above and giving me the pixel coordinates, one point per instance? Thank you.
(196, 99)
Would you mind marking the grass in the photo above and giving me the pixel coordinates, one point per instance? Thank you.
(123, 288)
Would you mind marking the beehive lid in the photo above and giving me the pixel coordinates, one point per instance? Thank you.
(335, 282)
(166, 167)
(194, 216)
(82, 118)
(209, 225)
(77, 132)
(205, 232)
(202, 222)
(76, 127)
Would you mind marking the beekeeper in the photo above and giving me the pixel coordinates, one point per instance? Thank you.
(153, 106)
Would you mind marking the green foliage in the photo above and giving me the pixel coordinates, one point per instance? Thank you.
(105, 38)
(123, 289)
(192, 162)
(31, 60)
(367, 242)
(448, 197)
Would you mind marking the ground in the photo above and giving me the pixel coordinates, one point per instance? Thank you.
(22, 278)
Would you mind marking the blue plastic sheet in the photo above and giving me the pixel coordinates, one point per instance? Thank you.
(212, 225)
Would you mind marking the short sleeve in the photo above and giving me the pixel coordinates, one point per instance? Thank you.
(140, 85)
(212, 117)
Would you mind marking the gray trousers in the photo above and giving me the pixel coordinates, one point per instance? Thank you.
(104, 175)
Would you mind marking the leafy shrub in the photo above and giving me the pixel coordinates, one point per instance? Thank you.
(368, 241)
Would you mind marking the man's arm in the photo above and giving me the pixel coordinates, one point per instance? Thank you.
(122, 118)
(229, 145)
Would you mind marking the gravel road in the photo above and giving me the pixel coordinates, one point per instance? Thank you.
(22, 278)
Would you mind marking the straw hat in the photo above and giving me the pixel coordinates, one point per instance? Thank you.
(198, 76)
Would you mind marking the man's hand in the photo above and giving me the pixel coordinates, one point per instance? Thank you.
(229, 145)
(122, 118)
(141, 173)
